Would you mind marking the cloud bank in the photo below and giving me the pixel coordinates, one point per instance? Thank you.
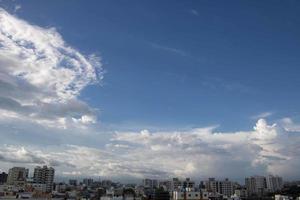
(41, 76)
(194, 153)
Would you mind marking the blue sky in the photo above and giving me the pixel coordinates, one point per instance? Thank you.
(177, 65)
(184, 63)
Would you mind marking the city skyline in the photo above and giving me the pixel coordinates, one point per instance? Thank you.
(151, 89)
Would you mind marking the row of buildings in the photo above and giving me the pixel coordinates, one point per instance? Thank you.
(255, 187)
(260, 185)
(42, 183)
(18, 177)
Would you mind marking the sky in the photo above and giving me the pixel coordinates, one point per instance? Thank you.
(151, 89)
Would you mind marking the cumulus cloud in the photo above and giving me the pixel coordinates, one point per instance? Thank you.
(41, 76)
(199, 152)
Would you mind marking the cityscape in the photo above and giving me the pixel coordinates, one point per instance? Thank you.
(17, 183)
(150, 99)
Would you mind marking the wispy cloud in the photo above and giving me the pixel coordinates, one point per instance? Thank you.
(17, 8)
(194, 12)
(169, 49)
(216, 83)
(262, 115)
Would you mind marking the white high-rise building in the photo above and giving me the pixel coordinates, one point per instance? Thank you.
(44, 175)
(274, 183)
(17, 176)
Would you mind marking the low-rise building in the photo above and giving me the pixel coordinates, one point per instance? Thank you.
(186, 195)
(282, 197)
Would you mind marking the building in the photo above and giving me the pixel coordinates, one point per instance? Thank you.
(190, 195)
(60, 187)
(186, 195)
(166, 185)
(150, 183)
(39, 187)
(176, 184)
(241, 193)
(256, 185)
(3, 178)
(224, 187)
(44, 175)
(210, 185)
(187, 183)
(17, 176)
(73, 182)
(281, 197)
(274, 183)
(88, 181)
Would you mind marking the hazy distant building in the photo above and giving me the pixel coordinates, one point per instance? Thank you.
(224, 187)
(17, 176)
(176, 184)
(73, 182)
(150, 183)
(241, 193)
(3, 177)
(44, 175)
(89, 181)
(256, 185)
(188, 184)
(166, 185)
(274, 183)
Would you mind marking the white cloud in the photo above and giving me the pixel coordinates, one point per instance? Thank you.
(17, 7)
(41, 76)
(290, 125)
(169, 49)
(262, 115)
(194, 153)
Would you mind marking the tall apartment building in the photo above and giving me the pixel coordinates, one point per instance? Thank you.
(224, 187)
(150, 183)
(88, 181)
(44, 175)
(17, 176)
(256, 185)
(3, 178)
(227, 187)
(274, 183)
